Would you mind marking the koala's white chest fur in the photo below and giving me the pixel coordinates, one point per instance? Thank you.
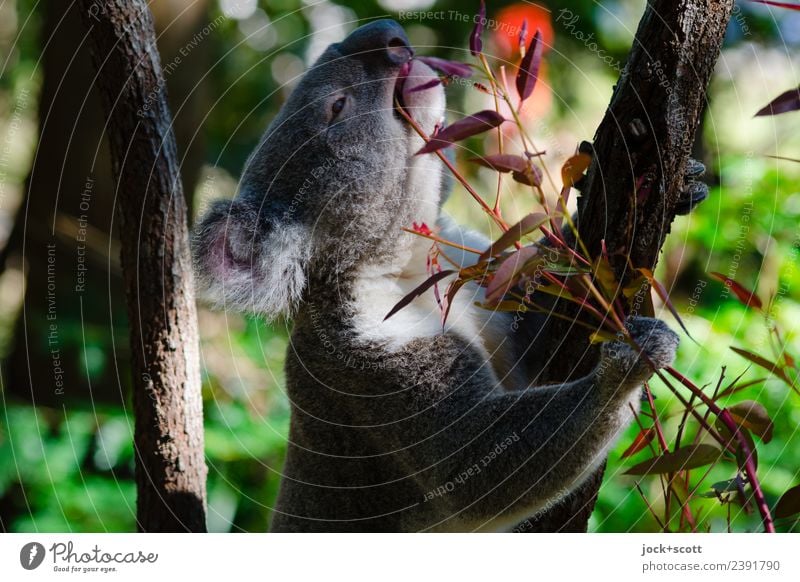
(379, 289)
(376, 294)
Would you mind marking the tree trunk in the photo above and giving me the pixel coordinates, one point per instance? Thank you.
(67, 214)
(156, 264)
(641, 150)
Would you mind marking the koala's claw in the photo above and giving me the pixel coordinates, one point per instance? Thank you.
(693, 195)
(695, 169)
(694, 191)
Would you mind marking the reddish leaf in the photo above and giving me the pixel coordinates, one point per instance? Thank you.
(789, 503)
(520, 169)
(449, 68)
(523, 36)
(425, 86)
(744, 295)
(577, 288)
(462, 129)
(662, 293)
(475, 42)
(735, 387)
(530, 177)
(784, 103)
(506, 275)
(753, 416)
(574, 167)
(683, 459)
(528, 72)
(515, 233)
(644, 438)
(502, 162)
(452, 289)
(766, 364)
(419, 290)
(778, 4)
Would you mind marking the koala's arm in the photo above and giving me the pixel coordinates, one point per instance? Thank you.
(495, 457)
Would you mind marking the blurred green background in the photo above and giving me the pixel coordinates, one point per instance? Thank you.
(66, 459)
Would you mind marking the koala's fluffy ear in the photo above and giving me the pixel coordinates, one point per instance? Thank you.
(250, 262)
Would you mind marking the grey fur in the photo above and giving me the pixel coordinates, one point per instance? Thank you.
(395, 427)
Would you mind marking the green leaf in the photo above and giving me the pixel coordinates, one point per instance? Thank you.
(789, 503)
(602, 336)
(752, 415)
(720, 488)
(683, 459)
(604, 275)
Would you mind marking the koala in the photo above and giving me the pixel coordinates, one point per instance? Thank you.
(397, 425)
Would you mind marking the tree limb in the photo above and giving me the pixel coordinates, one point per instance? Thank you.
(645, 139)
(170, 469)
(641, 150)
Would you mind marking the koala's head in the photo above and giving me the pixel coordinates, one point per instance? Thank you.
(332, 181)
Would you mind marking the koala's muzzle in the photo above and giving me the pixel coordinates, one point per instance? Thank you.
(385, 38)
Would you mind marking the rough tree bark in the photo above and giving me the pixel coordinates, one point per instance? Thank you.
(641, 150)
(69, 193)
(156, 263)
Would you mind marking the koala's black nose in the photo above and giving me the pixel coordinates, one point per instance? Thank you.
(381, 37)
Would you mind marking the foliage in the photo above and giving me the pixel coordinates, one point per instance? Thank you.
(71, 468)
(554, 266)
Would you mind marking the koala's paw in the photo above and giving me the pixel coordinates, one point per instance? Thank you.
(655, 338)
(694, 191)
(622, 366)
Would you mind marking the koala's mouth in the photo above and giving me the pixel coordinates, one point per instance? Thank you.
(418, 90)
(398, 95)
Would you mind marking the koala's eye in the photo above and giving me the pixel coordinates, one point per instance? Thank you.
(338, 106)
